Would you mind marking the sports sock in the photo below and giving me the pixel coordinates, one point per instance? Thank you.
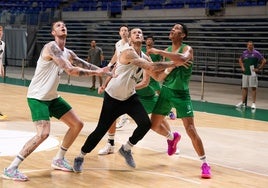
(111, 139)
(82, 154)
(170, 136)
(203, 158)
(16, 162)
(61, 153)
(128, 146)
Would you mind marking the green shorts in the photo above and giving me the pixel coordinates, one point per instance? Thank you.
(43, 110)
(154, 84)
(148, 102)
(169, 98)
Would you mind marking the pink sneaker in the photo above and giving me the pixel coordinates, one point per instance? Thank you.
(172, 144)
(205, 171)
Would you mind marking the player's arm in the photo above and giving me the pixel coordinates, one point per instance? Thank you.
(51, 51)
(113, 60)
(240, 61)
(144, 82)
(160, 76)
(2, 70)
(130, 56)
(263, 62)
(179, 59)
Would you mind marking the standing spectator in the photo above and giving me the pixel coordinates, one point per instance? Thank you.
(2, 70)
(95, 56)
(251, 62)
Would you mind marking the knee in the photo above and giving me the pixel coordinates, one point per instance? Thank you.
(43, 136)
(78, 127)
(190, 129)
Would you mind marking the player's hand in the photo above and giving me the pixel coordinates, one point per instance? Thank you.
(2, 70)
(185, 64)
(101, 89)
(153, 51)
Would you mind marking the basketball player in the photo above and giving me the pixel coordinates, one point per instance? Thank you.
(175, 91)
(120, 97)
(122, 44)
(44, 102)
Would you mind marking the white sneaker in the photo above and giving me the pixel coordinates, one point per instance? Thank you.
(241, 105)
(122, 122)
(108, 149)
(253, 106)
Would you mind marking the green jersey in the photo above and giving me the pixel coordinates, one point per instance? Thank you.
(179, 77)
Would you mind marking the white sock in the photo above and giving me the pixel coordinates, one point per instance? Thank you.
(170, 136)
(128, 146)
(110, 136)
(203, 158)
(61, 153)
(82, 154)
(16, 162)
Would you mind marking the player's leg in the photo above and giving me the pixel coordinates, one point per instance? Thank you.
(110, 145)
(42, 124)
(61, 110)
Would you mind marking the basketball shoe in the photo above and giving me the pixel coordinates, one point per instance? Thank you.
(205, 171)
(78, 164)
(14, 174)
(128, 156)
(61, 164)
(108, 149)
(172, 115)
(172, 144)
(122, 122)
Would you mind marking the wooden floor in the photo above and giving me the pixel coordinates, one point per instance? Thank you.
(236, 149)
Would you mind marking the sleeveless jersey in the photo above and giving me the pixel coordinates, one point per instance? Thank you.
(2, 49)
(179, 77)
(45, 81)
(120, 46)
(123, 86)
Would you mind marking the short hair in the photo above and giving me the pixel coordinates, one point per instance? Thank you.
(124, 25)
(54, 22)
(184, 30)
(149, 37)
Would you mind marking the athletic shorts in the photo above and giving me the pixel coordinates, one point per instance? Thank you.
(249, 81)
(156, 85)
(169, 98)
(148, 102)
(43, 110)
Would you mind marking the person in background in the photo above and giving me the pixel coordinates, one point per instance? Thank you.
(2, 69)
(251, 62)
(95, 56)
(149, 43)
(120, 45)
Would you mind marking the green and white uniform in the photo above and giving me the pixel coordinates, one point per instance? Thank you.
(42, 95)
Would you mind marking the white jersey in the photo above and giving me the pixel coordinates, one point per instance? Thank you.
(2, 50)
(123, 85)
(46, 79)
(120, 46)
